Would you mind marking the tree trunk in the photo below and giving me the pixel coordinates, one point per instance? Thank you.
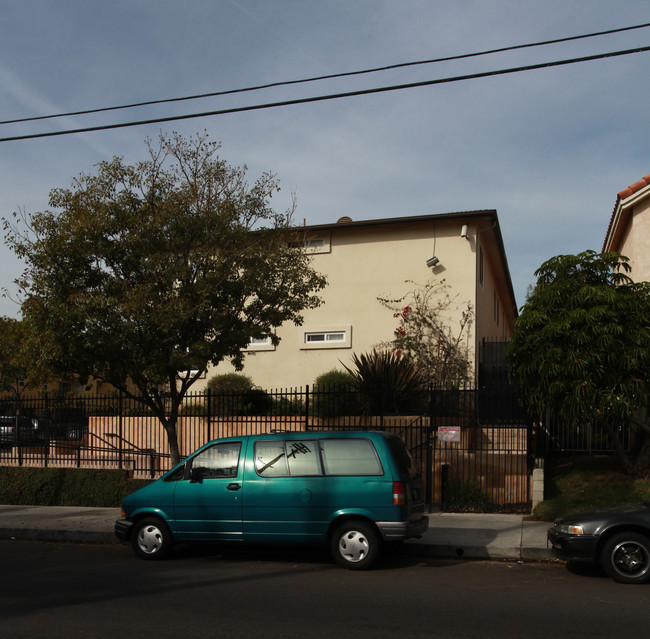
(172, 439)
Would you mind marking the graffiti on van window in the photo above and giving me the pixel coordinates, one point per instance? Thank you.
(298, 448)
(271, 463)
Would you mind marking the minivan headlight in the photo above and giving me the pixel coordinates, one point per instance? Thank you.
(570, 529)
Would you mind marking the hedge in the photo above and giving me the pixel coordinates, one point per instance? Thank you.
(66, 486)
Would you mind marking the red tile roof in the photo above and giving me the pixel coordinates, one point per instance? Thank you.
(630, 190)
(633, 188)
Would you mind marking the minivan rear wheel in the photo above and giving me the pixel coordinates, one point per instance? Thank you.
(151, 538)
(355, 545)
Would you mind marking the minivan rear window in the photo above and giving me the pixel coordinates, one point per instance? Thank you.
(350, 457)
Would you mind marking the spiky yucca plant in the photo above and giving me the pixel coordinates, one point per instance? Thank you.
(387, 381)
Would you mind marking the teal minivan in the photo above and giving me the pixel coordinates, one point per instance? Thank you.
(352, 490)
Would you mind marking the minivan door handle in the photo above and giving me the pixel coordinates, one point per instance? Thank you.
(234, 486)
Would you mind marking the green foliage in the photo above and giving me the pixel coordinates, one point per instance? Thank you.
(66, 486)
(429, 336)
(466, 496)
(230, 383)
(386, 381)
(333, 395)
(286, 406)
(581, 346)
(21, 365)
(586, 483)
(143, 275)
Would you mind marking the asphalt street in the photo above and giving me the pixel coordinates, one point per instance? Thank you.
(101, 590)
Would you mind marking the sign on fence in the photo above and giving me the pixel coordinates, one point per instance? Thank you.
(449, 433)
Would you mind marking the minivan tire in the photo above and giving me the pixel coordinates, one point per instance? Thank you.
(355, 545)
(151, 538)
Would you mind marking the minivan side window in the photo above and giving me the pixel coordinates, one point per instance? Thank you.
(281, 458)
(218, 461)
(350, 457)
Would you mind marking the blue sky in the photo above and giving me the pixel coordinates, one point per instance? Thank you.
(548, 149)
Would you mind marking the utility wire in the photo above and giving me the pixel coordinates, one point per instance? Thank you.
(333, 96)
(328, 77)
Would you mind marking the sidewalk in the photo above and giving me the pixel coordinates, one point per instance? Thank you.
(461, 536)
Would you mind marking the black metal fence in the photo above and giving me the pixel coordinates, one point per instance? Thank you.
(470, 446)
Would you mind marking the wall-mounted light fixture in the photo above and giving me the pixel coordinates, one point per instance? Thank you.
(432, 261)
(463, 231)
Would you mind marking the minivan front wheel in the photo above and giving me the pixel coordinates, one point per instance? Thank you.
(355, 545)
(151, 538)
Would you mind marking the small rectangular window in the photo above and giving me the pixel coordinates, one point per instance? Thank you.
(334, 337)
(325, 337)
(260, 344)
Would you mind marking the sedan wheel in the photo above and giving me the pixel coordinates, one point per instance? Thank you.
(626, 558)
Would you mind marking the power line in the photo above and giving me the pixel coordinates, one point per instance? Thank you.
(334, 96)
(327, 77)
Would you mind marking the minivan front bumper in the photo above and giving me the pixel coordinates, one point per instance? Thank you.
(123, 529)
(397, 530)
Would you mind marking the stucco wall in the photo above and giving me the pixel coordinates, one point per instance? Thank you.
(362, 264)
(636, 241)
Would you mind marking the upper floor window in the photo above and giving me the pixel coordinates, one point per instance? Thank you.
(335, 337)
(313, 245)
(260, 344)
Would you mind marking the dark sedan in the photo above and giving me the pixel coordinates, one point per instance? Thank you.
(616, 538)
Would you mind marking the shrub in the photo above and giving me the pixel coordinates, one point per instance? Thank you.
(334, 395)
(466, 496)
(387, 381)
(230, 383)
(66, 486)
(237, 395)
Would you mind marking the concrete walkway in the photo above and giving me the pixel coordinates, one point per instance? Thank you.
(462, 536)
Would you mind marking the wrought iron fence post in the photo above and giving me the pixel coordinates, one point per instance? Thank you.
(120, 425)
(307, 407)
(428, 485)
(208, 405)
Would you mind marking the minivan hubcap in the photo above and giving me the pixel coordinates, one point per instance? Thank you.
(353, 546)
(150, 539)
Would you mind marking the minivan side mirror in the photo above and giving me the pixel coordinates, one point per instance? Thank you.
(196, 475)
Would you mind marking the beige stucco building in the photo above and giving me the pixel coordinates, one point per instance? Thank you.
(629, 228)
(364, 260)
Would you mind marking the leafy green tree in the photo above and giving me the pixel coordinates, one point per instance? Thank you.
(429, 336)
(13, 369)
(21, 366)
(581, 349)
(145, 274)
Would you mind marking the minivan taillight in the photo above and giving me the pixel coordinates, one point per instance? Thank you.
(399, 493)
